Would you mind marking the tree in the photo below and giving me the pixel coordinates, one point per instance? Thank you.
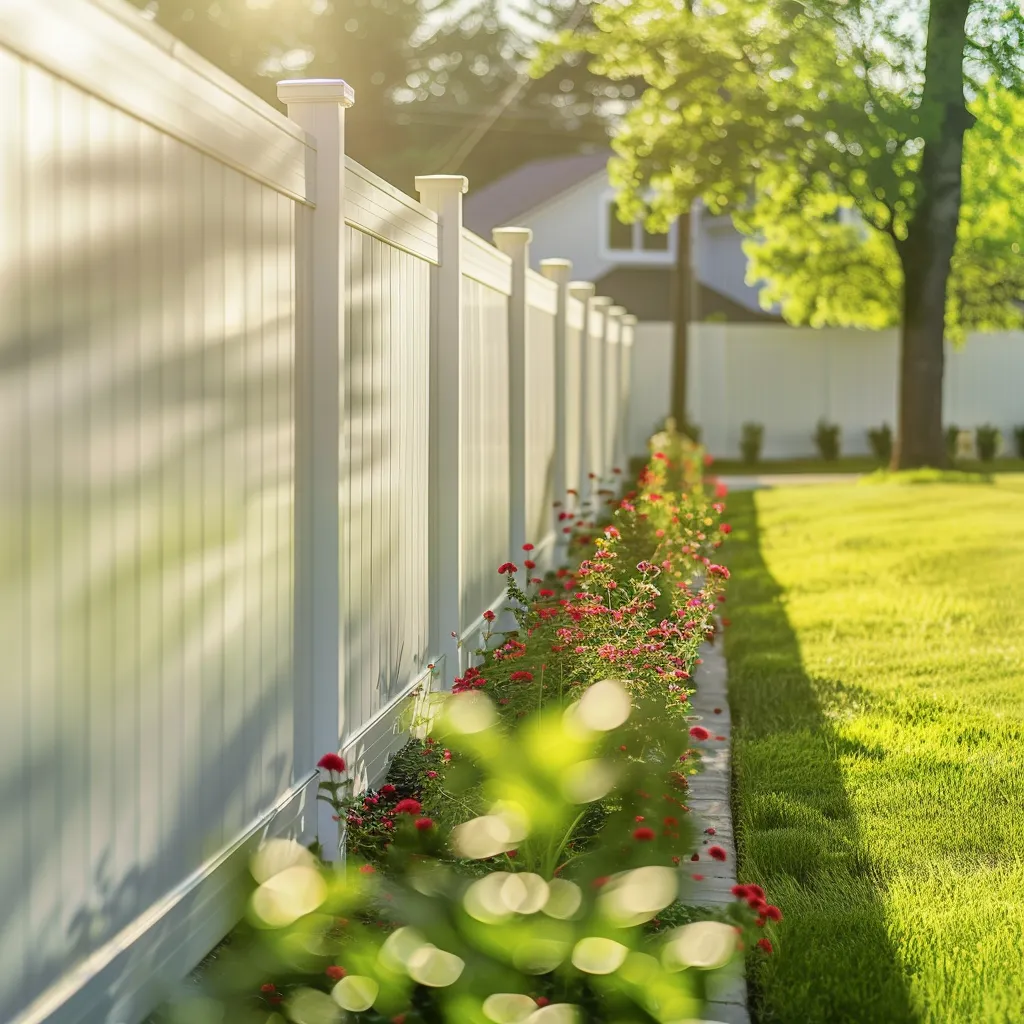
(368, 43)
(784, 111)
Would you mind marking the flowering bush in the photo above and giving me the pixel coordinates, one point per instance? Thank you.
(525, 859)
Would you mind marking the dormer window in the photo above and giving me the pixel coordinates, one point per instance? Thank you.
(632, 243)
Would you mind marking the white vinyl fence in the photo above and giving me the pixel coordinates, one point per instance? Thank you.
(267, 428)
(787, 378)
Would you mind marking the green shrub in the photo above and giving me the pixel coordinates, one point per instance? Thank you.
(751, 440)
(987, 438)
(952, 433)
(1018, 437)
(880, 440)
(826, 437)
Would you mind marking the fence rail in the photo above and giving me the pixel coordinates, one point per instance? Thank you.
(269, 426)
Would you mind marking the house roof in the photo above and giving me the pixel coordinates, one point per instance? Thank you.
(501, 202)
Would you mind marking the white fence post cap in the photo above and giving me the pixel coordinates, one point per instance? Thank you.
(616, 310)
(511, 238)
(581, 289)
(316, 90)
(557, 270)
(601, 300)
(629, 319)
(442, 182)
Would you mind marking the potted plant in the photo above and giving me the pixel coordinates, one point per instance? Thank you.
(826, 437)
(751, 440)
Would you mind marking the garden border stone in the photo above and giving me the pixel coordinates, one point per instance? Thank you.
(709, 802)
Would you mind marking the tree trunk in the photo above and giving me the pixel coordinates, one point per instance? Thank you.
(682, 314)
(927, 251)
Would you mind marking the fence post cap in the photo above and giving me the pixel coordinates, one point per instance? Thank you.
(316, 90)
(616, 310)
(512, 237)
(557, 270)
(582, 289)
(629, 319)
(442, 182)
(601, 300)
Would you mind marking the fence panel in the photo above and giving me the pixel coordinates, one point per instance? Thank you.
(575, 338)
(593, 431)
(612, 372)
(485, 427)
(147, 325)
(541, 312)
(384, 459)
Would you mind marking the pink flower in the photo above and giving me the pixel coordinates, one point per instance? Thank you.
(719, 570)
(332, 763)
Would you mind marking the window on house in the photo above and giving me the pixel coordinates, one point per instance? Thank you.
(632, 238)
(620, 236)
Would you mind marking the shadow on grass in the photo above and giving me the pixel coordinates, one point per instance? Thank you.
(797, 833)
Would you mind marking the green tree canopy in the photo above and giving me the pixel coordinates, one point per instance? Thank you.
(781, 112)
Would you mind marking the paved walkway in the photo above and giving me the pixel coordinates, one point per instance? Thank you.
(761, 481)
(709, 802)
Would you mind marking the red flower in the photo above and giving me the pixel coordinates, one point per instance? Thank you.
(527, 547)
(367, 869)
(268, 987)
(431, 775)
(695, 856)
(716, 853)
(718, 711)
(489, 615)
(698, 732)
(643, 834)
(332, 763)
(521, 677)
(773, 914)
(542, 1000)
(335, 973)
(765, 945)
(424, 823)
(725, 528)
(698, 878)
(709, 831)
(387, 789)
(671, 821)
(529, 564)
(547, 593)
(508, 567)
(408, 806)
(755, 890)
(721, 491)
(739, 891)
(718, 570)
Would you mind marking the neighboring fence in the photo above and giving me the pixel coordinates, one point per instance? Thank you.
(268, 428)
(788, 378)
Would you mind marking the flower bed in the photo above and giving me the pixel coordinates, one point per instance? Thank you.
(527, 856)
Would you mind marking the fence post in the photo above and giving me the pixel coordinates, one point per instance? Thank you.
(560, 271)
(318, 106)
(584, 292)
(515, 243)
(443, 194)
(625, 396)
(598, 411)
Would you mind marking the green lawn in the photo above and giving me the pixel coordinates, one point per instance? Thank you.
(850, 464)
(876, 659)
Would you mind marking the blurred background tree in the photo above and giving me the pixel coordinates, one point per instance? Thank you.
(786, 113)
(441, 85)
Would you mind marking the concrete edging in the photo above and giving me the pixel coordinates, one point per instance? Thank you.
(709, 803)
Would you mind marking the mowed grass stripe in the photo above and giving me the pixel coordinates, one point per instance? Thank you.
(876, 674)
